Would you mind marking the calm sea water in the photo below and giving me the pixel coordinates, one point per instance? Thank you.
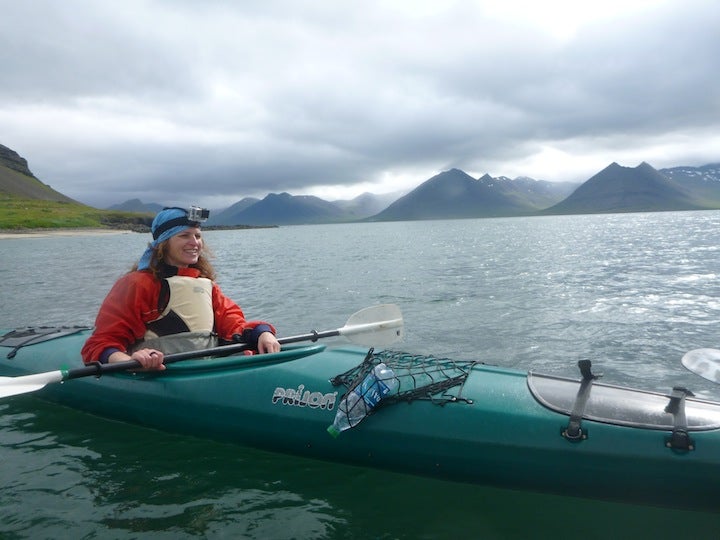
(631, 292)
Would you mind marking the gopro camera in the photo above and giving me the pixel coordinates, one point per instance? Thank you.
(195, 213)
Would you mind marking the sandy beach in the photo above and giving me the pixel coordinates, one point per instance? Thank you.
(47, 233)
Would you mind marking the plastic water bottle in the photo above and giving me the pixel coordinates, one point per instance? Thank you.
(358, 403)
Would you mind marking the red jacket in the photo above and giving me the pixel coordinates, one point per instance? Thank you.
(133, 302)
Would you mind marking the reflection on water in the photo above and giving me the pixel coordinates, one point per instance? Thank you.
(77, 476)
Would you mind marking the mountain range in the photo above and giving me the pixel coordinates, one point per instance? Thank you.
(456, 194)
(452, 194)
(644, 189)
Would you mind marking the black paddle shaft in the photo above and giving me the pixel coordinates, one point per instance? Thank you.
(97, 369)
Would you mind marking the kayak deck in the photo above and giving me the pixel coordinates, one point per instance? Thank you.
(465, 421)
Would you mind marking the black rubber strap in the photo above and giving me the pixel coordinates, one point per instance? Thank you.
(574, 432)
(679, 439)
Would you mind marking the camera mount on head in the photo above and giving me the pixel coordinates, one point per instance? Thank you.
(193, 217)
(195, 213)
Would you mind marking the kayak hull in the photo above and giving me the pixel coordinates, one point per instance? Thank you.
(499, 433)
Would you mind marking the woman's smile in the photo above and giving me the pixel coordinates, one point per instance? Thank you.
(184, 249)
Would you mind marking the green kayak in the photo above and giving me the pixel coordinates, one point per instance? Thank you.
(465, 421)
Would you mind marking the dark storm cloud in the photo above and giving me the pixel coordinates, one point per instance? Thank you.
(219, 100)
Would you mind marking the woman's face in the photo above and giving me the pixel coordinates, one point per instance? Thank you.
(183, 249)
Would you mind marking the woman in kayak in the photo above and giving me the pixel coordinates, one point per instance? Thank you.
(169, 302)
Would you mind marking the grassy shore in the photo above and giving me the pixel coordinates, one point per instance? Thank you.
(18, 214)
(34, 217)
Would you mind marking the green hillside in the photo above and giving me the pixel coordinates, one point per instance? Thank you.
(18, 213)
(27, 203)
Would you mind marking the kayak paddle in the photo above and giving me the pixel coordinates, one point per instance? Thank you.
(375, 326)
(703, 362)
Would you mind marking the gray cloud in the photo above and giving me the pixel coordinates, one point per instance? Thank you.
(206, 101)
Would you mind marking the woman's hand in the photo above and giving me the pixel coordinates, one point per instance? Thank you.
(268, 343)
(150, 359)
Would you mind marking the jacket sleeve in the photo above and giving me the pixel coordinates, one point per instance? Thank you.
(230, 320)
(120, 322)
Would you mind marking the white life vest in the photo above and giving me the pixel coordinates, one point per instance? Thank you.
(187, 321)
(189, 308)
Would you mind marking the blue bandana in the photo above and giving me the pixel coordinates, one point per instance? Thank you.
(167, 223)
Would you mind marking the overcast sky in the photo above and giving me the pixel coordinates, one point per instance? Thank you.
(207, 102)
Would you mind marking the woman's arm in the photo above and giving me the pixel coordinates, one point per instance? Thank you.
(120, 322)
(230, 321)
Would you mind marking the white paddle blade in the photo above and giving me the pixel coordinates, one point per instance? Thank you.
(704, 362)
(375, 326)
(13, 386)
